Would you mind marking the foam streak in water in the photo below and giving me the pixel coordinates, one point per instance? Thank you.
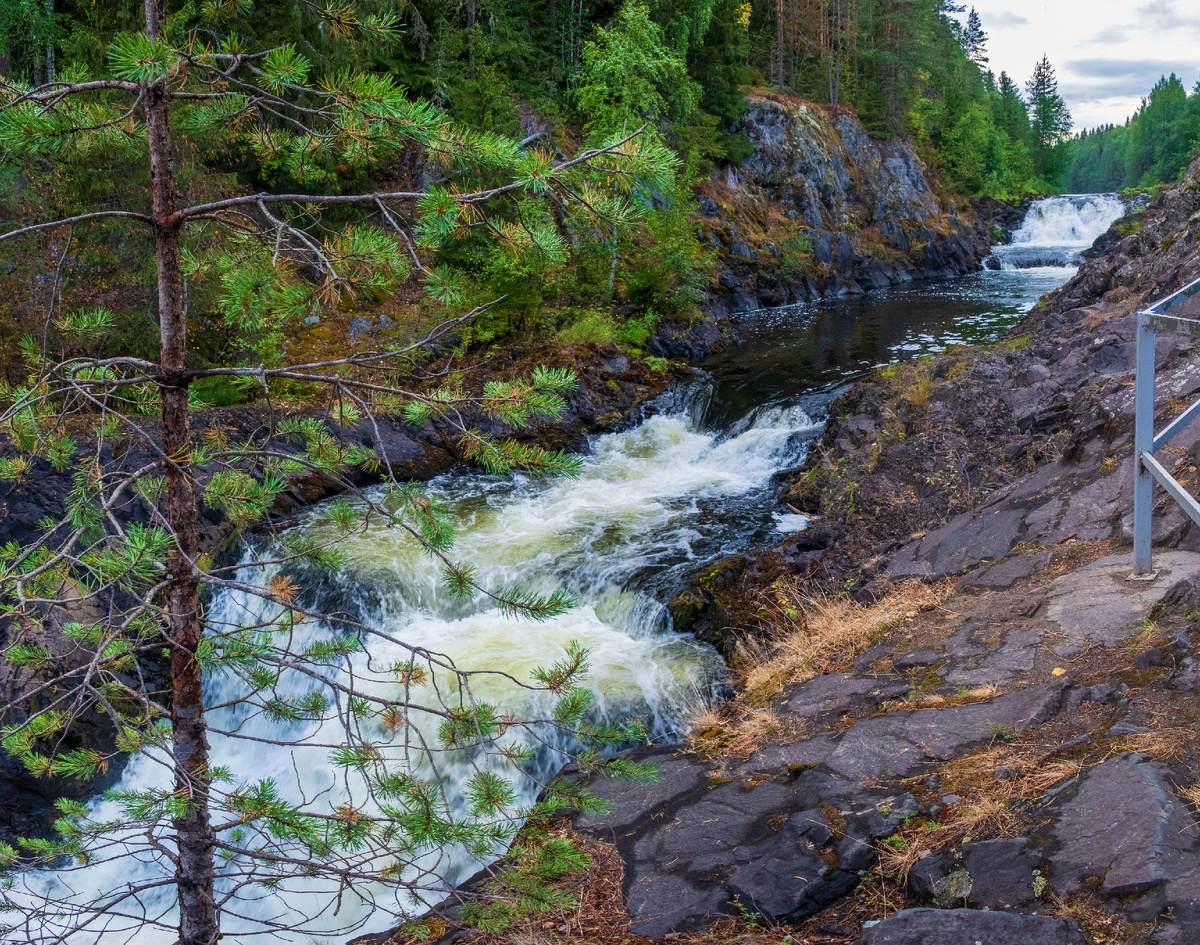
(637, 505)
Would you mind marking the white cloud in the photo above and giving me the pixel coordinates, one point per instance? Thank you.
(1107, 53)
(1006, 18)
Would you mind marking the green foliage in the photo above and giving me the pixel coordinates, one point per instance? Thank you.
(1049, 121)
(718, 65)
(589, 328)
(1152, 147)
(524, 887)
(631, 76)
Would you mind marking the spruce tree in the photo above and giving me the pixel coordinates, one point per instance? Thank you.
(126, 563)
(1011, 114)
(975, 39)
(1049, 119)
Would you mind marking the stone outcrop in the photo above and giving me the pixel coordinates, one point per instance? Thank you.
(821, 209)
(791, 829)
(1048, 683)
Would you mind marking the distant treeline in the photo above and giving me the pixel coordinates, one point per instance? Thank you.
(513, 66)
(1152, 147)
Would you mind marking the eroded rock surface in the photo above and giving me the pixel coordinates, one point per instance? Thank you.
(792, 829)
(968, 927)
(862, 214)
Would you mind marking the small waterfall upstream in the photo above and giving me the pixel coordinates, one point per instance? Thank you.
(1057, 230)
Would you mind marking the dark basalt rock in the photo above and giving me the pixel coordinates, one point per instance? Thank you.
(1124, 830)
(695, 850)
(962, 926)
(993, 874)
(865, 207)
(794, 835)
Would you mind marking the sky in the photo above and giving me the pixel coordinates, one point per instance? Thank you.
(1107, 54)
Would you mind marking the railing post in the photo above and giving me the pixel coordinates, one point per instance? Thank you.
(1143, 442)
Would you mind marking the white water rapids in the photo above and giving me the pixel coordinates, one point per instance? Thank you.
(653, 501)
(635, 507)
(1057, 230)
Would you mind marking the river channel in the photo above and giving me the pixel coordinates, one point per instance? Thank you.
(690, 480)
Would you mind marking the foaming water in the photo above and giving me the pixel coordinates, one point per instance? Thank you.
(637, 509)
(691, 483)
(1056, 230)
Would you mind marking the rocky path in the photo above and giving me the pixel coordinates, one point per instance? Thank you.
(1025, 748)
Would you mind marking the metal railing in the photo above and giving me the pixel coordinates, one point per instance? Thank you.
(1145, 441)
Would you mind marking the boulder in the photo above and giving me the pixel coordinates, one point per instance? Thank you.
(971, 927)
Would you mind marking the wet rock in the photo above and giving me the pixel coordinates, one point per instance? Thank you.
(963, 926)
(358, 328)
(685, 609)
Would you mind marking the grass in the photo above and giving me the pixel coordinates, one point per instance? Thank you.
(993, 808)
(911, 380)
(988, 809)
(809, 633)
(815, 629)
(591, 327)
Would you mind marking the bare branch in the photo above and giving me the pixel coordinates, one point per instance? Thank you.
(70, 221)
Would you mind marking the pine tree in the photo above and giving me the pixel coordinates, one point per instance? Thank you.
(1049, 119)
(127, 560)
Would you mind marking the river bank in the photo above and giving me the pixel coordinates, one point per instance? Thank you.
(615, 381)
(1020, 742)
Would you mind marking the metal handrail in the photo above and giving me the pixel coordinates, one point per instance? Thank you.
(1147, 469)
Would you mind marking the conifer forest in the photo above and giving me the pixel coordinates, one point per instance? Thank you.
(512, 470)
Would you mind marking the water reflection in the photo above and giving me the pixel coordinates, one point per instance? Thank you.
(807, 353)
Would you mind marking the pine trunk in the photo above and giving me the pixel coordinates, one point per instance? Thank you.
(779, 42)
(198, 922)
(51, 68)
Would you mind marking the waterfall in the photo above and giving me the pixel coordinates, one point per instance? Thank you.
(1057, 230)
(656, 499)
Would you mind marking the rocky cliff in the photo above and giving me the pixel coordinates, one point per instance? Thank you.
(821, 209)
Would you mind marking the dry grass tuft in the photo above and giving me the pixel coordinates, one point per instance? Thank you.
(1148, 636)
(1097, 920)
(982, 816)
(812, 632)
(1168, 745)
(982, 693)
(991, 808)
(734, 730)
(1191, 794)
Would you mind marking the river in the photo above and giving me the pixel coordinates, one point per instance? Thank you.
(692, 479)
